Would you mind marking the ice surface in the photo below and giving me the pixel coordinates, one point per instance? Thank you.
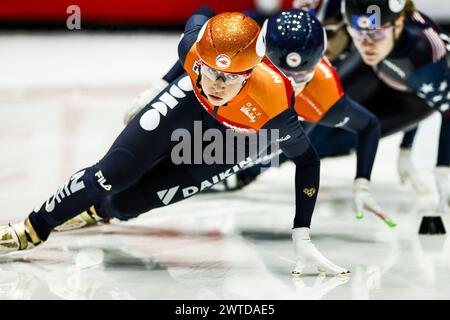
(62, 98)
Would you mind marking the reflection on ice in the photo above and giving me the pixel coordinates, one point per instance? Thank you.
(217, 246)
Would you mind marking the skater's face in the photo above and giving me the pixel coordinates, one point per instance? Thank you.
(299, 79)
(375, 45)
(306, 4)
(220, 87)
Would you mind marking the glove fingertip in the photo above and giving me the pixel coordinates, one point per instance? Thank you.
(390, 223)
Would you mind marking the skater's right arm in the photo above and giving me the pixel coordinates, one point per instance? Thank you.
(191, 31)
(296, 146)
(188, 38)
(174, 72)
(351, 116)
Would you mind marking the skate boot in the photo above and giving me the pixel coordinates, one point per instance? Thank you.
(307, 254)
(85, 219)
(18, 236)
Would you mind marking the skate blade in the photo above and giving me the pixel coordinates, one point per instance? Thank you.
(344, 274)
(323, 271)
(79, 227)
(296, 274)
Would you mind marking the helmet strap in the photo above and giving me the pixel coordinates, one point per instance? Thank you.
(199, 77)
(394, 30)
(197, 83)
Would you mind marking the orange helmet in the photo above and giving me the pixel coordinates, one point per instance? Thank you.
(231, 42)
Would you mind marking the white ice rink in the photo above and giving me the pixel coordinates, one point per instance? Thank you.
(62, 98)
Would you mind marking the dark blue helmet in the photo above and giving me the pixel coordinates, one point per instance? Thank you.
(296, 40)
(371, 14)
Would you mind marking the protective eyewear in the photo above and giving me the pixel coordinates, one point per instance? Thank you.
(227, 77)
(374, 35)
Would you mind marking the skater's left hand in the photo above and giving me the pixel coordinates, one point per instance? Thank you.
(307, 253)
(364, 202)
(442, 174)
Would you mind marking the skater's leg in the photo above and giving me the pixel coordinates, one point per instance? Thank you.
(141, 144)
(165, 185)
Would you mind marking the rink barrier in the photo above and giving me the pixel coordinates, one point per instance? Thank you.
(123, 15)
(113, 11)
(432, 226)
